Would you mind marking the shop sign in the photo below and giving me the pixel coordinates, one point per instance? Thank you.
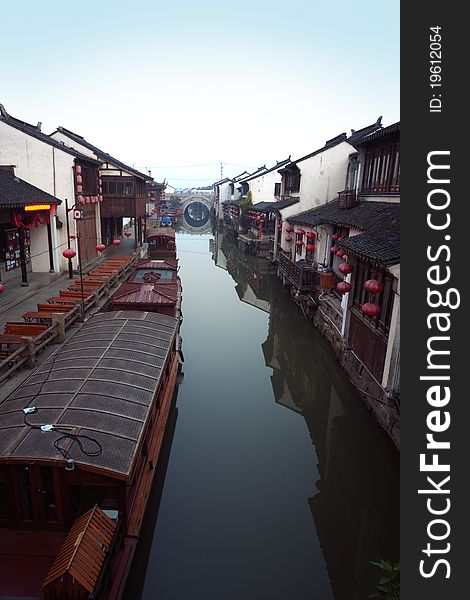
(29, 221)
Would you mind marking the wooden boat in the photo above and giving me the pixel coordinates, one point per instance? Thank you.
(161, 243)
(80, 443)
(153, 285)
(102, 401)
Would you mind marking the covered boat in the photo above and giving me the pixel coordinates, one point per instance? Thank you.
(85, 431)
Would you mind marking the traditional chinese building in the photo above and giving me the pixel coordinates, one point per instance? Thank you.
(125, 190)
(344, 259)
(64, 173)
(26, 213)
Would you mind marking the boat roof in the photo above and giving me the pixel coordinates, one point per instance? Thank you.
(146, 293)
(84, 550)
(164, 231)
(100, 383)
(156, 264)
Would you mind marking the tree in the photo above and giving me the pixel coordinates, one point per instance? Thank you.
(245, 206)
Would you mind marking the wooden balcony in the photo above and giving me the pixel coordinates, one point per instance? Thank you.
(303, 277)
(347, 199)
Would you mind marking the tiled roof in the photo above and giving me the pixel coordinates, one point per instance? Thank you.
(382, 246)
(280, 204)
(104, 156)
(380, 134)
(262, 206)
(366, 215)
(264, 170)
(352, 139)
(379, 221)
(272, 206)
(15, 192)
(356, 136)
(35, 132)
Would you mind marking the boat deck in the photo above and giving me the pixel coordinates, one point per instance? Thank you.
(25, 560)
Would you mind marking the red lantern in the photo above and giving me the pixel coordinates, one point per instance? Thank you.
(344, 287)
(2, 287)
(78, 189)
(288, 238)
(116, 243)
(334, 250)
(289, 229)
(335, 237)
(79, 179)
(371, 310)
(101, 247)
(300, 231)
(299, 243)
(69, 253)
(309, 247)
(310, 235)
(373, 286)
(340, 253)
(78, 169)
(346, 268)
(127, 234)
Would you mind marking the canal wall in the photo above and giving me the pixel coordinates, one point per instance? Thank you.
(328, 320)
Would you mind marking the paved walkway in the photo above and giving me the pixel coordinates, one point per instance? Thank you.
(26, 299)
(17, 300)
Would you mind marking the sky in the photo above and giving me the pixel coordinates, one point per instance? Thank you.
(180, 87)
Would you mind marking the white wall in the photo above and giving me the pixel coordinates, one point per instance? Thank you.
(262, 187)
(323, 176)
(224, 196)
(49, 169)
(61, 137)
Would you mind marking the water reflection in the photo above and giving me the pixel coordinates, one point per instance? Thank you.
(356, 508)
(195, 221)
(280, 486)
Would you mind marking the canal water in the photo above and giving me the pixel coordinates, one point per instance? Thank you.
(279, 484)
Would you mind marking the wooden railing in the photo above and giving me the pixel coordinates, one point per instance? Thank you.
(304, 277)
(30, 346)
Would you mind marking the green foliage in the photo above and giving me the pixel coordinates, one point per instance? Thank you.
(246, 204)
(388, 587)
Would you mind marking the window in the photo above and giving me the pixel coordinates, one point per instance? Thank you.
(384, 299)
(89, 181)
(277, 190)
(382, 170)
(292, 180)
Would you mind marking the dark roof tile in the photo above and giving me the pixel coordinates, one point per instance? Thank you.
(15, 193)
(103, 156)
(379, 221)
(35, 132)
